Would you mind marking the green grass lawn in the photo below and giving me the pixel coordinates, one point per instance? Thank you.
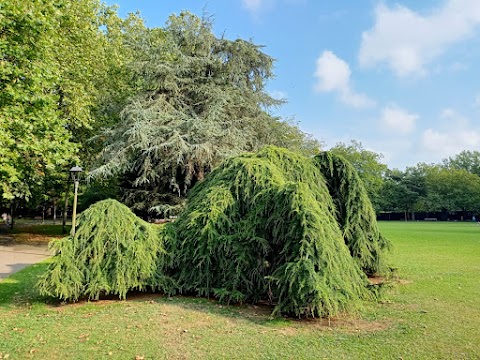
(25, 231)
(432, 312)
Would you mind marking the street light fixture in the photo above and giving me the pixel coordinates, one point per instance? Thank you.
(75, 174)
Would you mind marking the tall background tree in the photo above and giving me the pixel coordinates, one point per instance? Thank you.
(204, 99)
(64, 74)
(403, 190)
(33, 135)
(466, 160)
(454, 189)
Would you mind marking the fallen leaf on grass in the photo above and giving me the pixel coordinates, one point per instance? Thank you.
(84, 337)
(138, 357)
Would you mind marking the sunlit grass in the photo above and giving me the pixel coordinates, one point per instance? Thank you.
(432, 312)
(28, 232)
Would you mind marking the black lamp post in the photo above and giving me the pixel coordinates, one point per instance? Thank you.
(75, 173)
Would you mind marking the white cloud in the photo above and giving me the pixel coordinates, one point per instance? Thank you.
(252, 5)
(356, 100)
(455, 135)
(450, 143)
(278, 94)
(476, 102)
(408, 41)
(332, 72)
(256, 7)
(333, 75)
(395, 119)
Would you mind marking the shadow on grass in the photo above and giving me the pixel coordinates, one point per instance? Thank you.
(13, 269)
(19, 289)
(256, 313)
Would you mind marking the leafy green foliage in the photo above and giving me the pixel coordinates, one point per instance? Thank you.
(113, 251)
(466, 160)
(405, 191)
(63, 75)
(449, 187)
(453, 189)
(33, 137)
(264, 226)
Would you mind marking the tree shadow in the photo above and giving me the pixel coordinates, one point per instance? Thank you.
(19, 289)
(13, 268)
(258, 313)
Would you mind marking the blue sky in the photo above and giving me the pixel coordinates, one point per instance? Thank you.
(402, 77)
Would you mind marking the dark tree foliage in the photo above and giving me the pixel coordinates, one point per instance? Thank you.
(113, 251)
(405, 190)
(271, 226)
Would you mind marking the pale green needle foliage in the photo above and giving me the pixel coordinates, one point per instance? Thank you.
(265, 226)
(355, 214)
(113, 251)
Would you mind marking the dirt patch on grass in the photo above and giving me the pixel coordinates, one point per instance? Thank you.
(194, 314)
(26, 238)
(343, 323)
(376, 280)
(404, 281)
(107, 300)
(360, 325)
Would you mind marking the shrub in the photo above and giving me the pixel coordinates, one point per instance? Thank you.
(271, 226)
(354, 212)
(113, 251)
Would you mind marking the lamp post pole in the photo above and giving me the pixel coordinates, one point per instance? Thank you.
(75, 172)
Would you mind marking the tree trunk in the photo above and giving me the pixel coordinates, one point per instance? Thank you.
(54, 211)
(11, 215)
(65, 206)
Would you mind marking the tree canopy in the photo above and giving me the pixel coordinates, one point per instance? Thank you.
(453, 189)
(61, 62)
(33, 137)
(466, 160)
(403, 191)
(204, 100)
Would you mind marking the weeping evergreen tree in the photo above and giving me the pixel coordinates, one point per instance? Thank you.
(354, 212)
(265, 226)
(113, 251)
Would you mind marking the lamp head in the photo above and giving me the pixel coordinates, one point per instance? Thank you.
(75, 172)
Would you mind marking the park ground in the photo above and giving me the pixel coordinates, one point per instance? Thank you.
(429, 311)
